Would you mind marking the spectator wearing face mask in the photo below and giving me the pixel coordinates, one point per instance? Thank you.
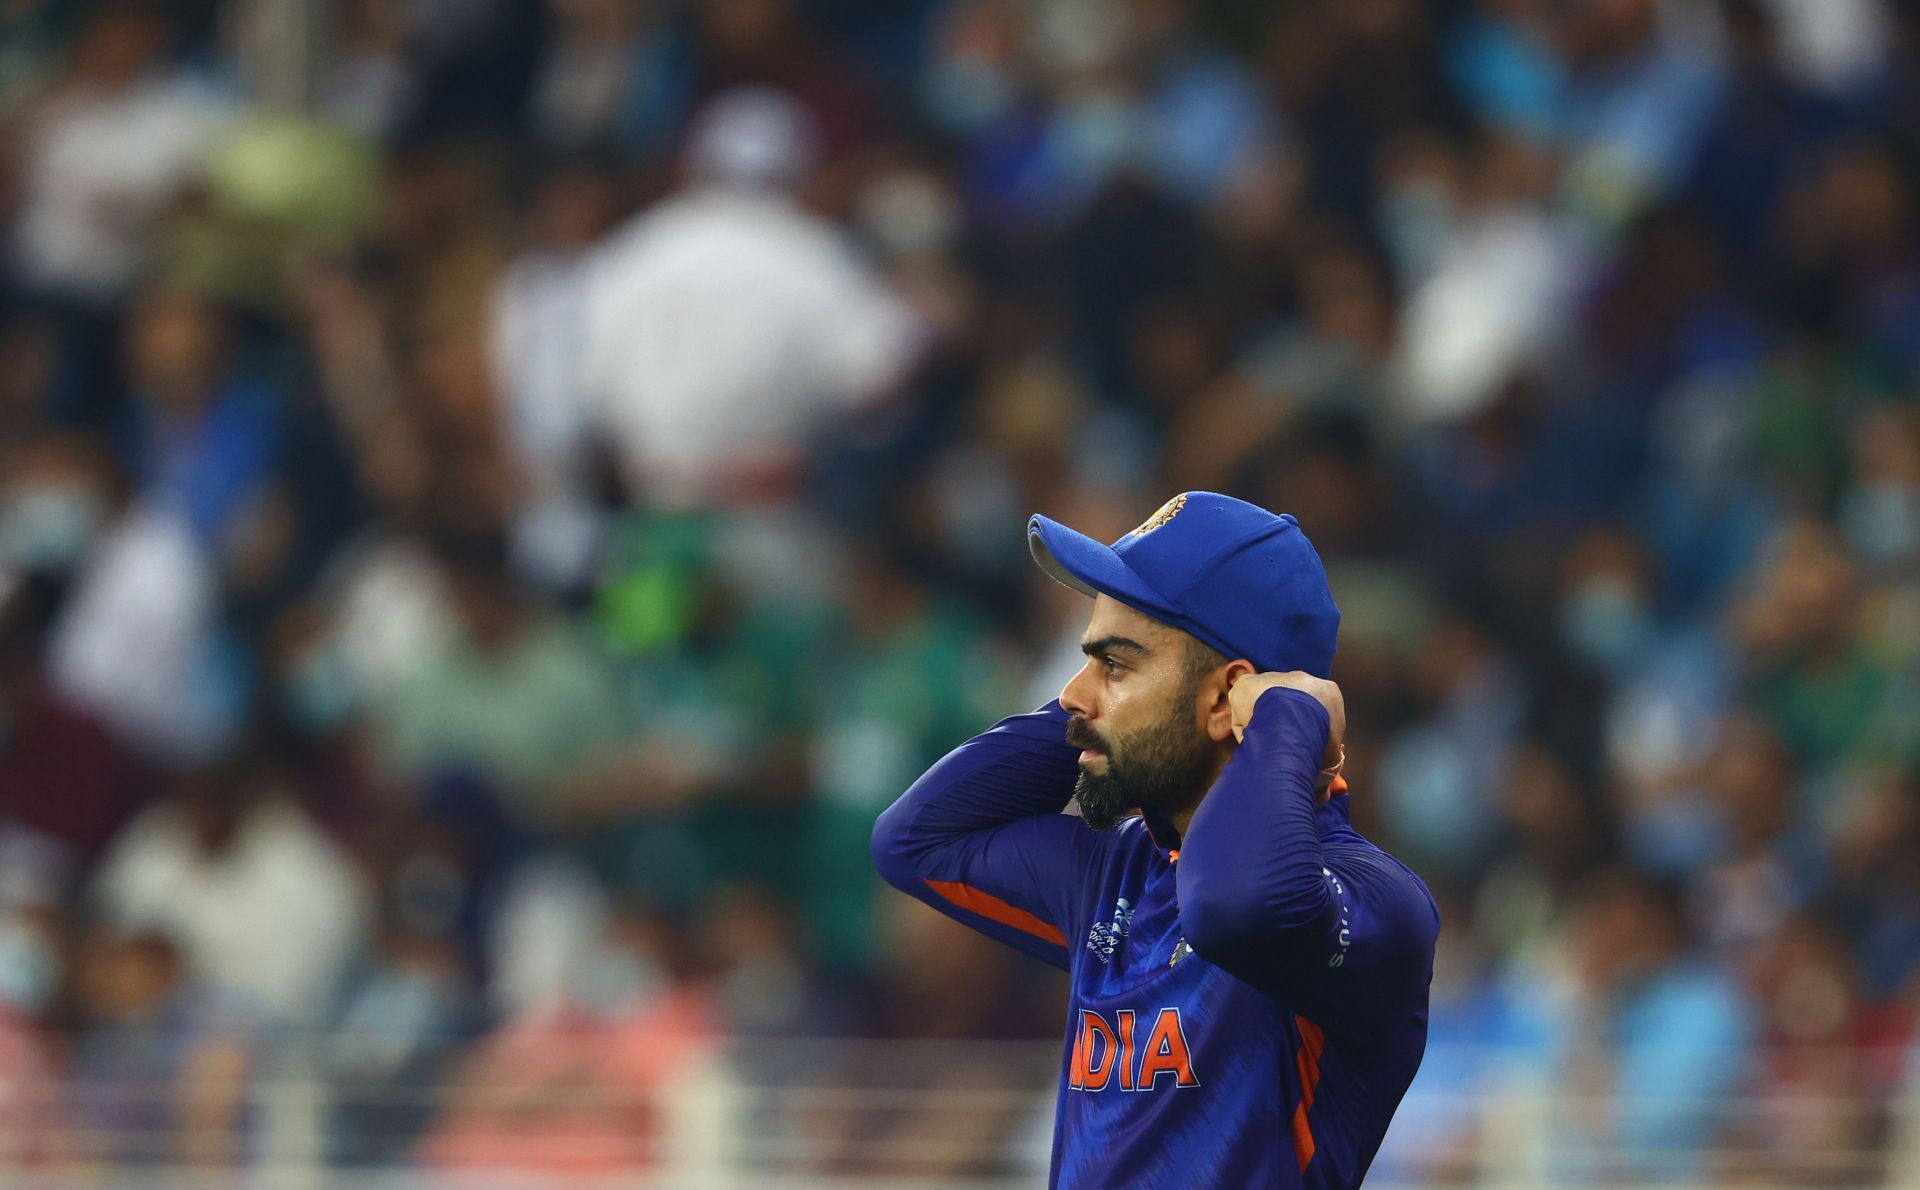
(1657, 1040)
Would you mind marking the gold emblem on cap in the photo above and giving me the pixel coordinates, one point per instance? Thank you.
(1167, 512)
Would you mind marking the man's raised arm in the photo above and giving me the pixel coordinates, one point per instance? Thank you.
(981, 838)
(1333, 927)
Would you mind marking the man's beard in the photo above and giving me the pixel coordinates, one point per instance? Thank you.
(1165, 767)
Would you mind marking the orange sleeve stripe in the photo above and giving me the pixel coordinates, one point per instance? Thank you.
(994, 909)
(1307, 1060)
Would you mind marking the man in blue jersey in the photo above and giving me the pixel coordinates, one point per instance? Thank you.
(1249, 974)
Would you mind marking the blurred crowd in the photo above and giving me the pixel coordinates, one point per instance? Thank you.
(496, 496)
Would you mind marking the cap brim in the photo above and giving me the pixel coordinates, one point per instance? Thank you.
(1088, 566)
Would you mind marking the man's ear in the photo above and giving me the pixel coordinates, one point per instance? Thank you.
(1220, 710)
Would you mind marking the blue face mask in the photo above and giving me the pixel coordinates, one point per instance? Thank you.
(1678, 836)
(966, 94)
(616, 978)
(1606, 622)
(1096, 133)
(1419, 223)
(1882, 520)
(321, 692)
(29, 967)
(49, 527)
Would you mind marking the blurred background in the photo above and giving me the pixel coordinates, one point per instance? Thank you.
(496, 495)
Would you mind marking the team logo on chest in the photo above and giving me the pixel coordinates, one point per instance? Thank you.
(1105, 936)
(1106, 1052)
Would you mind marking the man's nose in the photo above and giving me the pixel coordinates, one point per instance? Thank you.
(1076, 697)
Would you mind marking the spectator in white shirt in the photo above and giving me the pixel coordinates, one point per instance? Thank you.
(264, 904)
(110, 150)
(723, 324)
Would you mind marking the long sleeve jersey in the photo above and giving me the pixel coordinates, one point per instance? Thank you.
(1248, 1003)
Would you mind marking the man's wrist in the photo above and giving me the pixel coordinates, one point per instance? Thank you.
(1327, 775)
(1305, 700)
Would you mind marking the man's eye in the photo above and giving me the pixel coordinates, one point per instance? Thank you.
(1114, 668)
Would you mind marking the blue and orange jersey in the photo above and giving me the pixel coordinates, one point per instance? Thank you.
(1248, 1003)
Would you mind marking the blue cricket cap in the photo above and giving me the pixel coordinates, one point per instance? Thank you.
(1230, 573)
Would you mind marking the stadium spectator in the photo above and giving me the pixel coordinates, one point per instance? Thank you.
(519, 696)
(160, 1076)
(720, 327)
(1656, 1041)
(264, 908)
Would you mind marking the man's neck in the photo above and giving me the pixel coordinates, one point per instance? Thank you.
(1181, 820)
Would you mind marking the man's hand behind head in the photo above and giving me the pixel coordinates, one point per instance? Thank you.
(1247, 690)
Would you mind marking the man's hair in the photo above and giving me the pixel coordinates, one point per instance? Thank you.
(1202, 659)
